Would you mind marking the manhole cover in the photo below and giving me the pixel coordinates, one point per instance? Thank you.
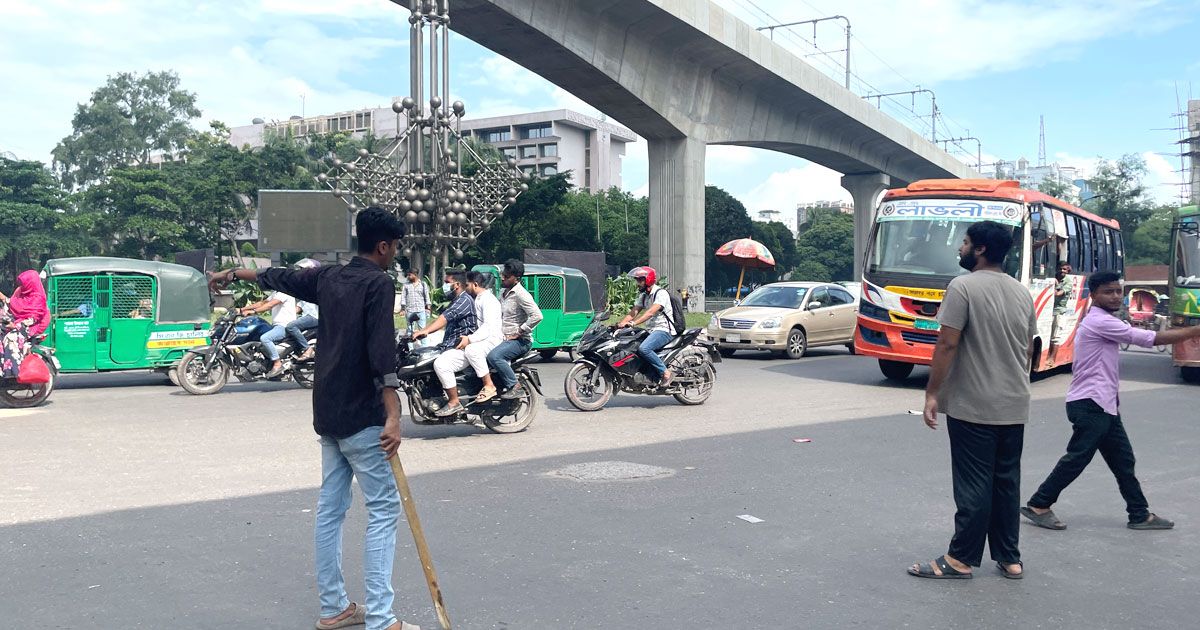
(611, 471)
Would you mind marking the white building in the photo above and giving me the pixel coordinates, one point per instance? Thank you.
(1031, 176)
(544, 143)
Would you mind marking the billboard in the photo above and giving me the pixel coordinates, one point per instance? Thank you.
(202, 260)
(302, 221)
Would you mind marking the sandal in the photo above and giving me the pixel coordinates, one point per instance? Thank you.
(485, 394)
(1154, 521)
(1046, 519)
(1009, 574)
(947, 572)
(357, 618)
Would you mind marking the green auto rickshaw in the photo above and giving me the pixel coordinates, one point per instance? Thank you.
(565, 298)
(123, 314)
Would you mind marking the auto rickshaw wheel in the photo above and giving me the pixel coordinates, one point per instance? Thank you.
(1190, 374)
(548, 354)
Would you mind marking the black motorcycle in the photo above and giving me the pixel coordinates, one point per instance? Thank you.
(414, 367)
(234, 348)
(608, 363)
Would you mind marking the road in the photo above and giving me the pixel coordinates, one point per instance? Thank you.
(127, 503)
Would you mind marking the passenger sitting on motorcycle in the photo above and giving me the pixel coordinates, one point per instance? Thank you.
(653, 305)
(23, 316)
(519, 314)
(487, 336)
(283, 312)
(459, 321)
(307, 320)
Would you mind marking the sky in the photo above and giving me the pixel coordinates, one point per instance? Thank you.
(1104, 74)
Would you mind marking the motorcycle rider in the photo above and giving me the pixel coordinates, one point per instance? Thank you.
(653, 305)
(283, 312)
(519, 314)
(459, 321)
(307, 319)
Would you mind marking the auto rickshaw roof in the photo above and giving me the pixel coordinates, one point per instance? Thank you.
(540, 270)
(183, 291)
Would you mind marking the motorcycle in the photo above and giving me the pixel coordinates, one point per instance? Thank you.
(234, 348)
(414, 367)
(608, 363)
(19, 395)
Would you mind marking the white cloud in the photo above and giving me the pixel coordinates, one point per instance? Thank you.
(1161, 179)
(783, 190)
(919, 39)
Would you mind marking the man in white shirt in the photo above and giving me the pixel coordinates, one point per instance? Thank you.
(653, 305)
(472, 349)
(283, 312)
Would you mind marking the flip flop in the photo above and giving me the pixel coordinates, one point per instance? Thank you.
(1009, 574)
(1153, 522)
(948, 572)
(1047, 519)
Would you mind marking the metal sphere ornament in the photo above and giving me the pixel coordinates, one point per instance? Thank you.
(406, 252)
(322, 178)
(423, 216)
(407, 102)
(524, 187)
(336, 161)
(458, 253)
(458, 107)
(410, 216)
(455, 206)
(351, 167)
(397, 106)
(410, 194)
(338, 192)
(451, 164)
(423, 194)
(435, 102)
(417, 205)
(353, 207)
(512, 161)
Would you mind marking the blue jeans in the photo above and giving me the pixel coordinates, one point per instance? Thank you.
(296, 329)
(501, 357)
(358, 456)
(649, 349)
(421, 317)
(270, 338)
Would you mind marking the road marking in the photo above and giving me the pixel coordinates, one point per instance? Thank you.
(16, 413)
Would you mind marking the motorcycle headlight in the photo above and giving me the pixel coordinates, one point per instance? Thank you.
(768, 324)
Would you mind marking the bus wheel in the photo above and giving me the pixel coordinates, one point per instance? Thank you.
(1190, 374)
(895, 370)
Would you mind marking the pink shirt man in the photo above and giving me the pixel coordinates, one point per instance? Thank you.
(1097, 352)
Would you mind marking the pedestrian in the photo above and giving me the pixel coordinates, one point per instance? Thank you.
(414, 300)
(1093, 407)
(520, 314)
(980, 380)
(356, 411)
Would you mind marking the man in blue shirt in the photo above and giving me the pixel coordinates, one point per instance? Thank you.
(459, 321)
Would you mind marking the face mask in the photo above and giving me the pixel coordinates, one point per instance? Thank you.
(968, 261)
(447, 288)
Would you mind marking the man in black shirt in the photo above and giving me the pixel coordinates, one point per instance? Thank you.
(356, 410)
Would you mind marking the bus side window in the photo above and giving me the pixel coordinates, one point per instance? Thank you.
(1042, 248)
(1118, 252)
(1073, 245)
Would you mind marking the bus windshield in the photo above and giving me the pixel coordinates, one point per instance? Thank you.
(1187, 257)
(920, 246)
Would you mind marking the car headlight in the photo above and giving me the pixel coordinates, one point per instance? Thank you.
(773, 322)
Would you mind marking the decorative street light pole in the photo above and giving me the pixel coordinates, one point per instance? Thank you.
(419, 177)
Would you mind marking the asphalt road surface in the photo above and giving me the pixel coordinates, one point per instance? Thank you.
(127, 503)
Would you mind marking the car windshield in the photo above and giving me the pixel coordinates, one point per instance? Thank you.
(1187, 257)
(927, 247)
(776, 297)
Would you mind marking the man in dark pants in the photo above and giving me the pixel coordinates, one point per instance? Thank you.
(980, 380)
(355, 411)
(1092, 407)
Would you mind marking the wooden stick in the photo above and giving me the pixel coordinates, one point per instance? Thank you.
(414, 523)
(738, 296)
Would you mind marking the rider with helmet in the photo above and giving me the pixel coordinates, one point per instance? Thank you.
(652, 305)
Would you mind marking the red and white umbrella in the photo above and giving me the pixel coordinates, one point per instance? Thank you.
(745, 253)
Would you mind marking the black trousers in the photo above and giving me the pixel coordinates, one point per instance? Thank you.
(1093, 430)
(986, 463)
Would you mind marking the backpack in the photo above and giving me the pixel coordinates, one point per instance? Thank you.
(677, 319)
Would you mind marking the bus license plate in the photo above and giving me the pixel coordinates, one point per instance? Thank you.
(733, 338)
(926, 324)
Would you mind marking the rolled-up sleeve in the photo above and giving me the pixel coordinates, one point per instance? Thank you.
(1116, 330)
(381, 333)
(533, 314)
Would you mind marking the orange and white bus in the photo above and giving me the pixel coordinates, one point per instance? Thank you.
(912, 255)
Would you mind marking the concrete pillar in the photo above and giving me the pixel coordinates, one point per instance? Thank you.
(677, 213)
(865, 189)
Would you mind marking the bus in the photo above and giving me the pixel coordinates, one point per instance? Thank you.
(912, 254)
(1185, 288)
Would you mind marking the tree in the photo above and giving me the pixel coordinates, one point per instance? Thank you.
(826, 249)
(1059, 188)
(725, 219)
(34, 223)
(128, 121)
(1119, 192)
(1150, 243)
(777, 238)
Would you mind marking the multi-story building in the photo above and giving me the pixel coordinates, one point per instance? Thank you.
(543, 143)
(805, 211)
(1031, 177)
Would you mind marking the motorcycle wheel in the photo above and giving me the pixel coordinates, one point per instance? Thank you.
(25, 396)
(193, 378)
(525, 413)
(304, 374)
(587, 388)
(698, 370)
(173, 376)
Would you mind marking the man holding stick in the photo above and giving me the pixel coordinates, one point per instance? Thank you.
(356, 411)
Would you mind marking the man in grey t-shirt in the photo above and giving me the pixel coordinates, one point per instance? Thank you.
(980, 380)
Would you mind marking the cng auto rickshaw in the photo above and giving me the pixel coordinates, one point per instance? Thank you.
(565, 297)
(122, 314)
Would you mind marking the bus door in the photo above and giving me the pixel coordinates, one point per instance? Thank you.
(1043, 259)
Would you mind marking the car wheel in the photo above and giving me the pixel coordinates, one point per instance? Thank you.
(797, 344)
(726, 352)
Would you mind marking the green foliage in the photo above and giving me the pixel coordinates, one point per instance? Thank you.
(620, 293)
(825, 251)
(1150, 243)
(779, 240)
(1119, 192)
(33, 224)
(127, 121)
(248, 249)
(1059, 188)
(725, 219)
